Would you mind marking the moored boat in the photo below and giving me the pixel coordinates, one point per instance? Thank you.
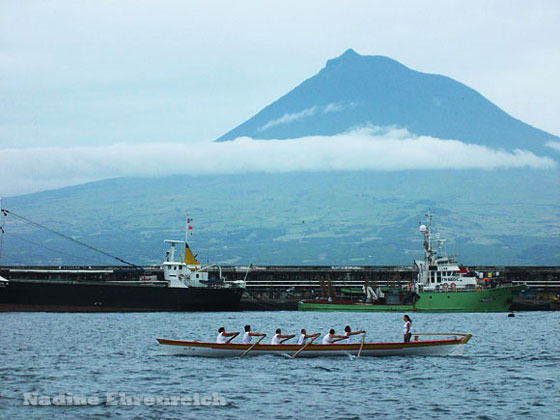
(185, 286)
(440, 347)
(442, 285)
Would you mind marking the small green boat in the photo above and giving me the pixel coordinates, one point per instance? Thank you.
(442, 286)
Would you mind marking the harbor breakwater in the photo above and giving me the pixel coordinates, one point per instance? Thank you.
(281, 287)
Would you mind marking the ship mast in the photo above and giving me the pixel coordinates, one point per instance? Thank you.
(428, 240)
(189, 259)
(429, 252)
(188, 227)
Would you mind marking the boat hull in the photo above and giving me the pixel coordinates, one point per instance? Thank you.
(55, 296)
(498, 299)
(414, 348)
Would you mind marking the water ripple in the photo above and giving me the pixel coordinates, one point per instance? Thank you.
(93, 354)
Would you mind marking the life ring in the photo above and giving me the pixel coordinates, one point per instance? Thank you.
(181, 276)
(444, 285)
(453, 286)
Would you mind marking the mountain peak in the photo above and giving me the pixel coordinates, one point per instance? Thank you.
(347, 56)
(355, 90)
(349, 53)
(351, 59)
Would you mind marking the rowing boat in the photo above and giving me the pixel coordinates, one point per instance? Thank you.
(438, 347)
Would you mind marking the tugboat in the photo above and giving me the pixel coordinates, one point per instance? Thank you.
(442, 285)
(185, 286)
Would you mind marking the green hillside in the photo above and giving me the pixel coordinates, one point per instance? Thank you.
(355, 218)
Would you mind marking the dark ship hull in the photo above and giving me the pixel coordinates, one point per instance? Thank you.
(60, 296)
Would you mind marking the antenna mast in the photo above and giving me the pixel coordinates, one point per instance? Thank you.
(188, 227)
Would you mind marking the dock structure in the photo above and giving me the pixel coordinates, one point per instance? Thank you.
(281, 287)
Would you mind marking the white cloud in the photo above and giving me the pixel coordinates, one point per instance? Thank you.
(308, 112)
(335, 107)
(34, 169)
(554, 145)
(289, 118)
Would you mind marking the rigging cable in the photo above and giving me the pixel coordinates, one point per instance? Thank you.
(6, 212)
(42, 246)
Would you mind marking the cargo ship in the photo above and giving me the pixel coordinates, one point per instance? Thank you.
(442, 285)
(179, 284)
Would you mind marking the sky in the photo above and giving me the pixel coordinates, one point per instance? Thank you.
(97, 89)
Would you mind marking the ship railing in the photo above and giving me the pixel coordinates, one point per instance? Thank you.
(317, 283)
(537, 283)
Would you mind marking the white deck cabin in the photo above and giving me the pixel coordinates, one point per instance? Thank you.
(188, 272)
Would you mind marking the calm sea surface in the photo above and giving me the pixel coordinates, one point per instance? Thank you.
(510, 369)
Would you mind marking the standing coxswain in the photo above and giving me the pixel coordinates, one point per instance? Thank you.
(279, 338)
(223, 336)
(248, 336)
(406, 328)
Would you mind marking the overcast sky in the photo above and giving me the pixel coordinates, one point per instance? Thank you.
(93, 74)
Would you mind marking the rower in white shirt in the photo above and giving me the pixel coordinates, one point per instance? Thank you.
(223, 336)
(304, 336)
(332, 338)
(279, 338)
(349, 333)
(248, 336)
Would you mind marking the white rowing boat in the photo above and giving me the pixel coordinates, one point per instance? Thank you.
(417, 347)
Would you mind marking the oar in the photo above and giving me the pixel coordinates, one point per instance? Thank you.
(232, 337)
(251, 348)
(362, 345)
(305, 346)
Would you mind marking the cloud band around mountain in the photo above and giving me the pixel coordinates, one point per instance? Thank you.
(35, 169)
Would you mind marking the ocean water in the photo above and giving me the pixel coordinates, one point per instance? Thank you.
(510, 369)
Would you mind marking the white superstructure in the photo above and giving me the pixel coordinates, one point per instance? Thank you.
(440, 272)
(188, 272)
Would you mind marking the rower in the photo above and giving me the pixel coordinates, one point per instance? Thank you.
(223, 335)
(332, 338)
(279, 338)
(348, 333)
(249, 335)
(304, 336)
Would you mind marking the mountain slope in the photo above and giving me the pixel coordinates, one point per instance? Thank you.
(498, 217)
(509, 217)
(354, 90)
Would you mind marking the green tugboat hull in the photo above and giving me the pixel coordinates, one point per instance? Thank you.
(497, 299)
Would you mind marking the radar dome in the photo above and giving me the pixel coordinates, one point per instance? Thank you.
(423, 228)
